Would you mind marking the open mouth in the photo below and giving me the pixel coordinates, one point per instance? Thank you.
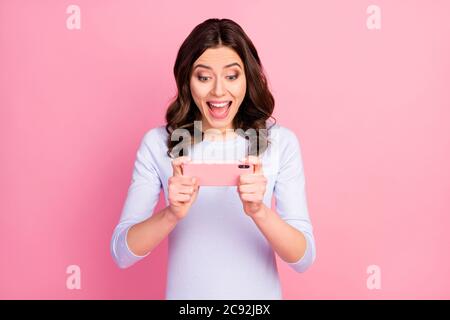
(219, 110)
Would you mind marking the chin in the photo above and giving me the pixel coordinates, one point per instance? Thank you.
(217, 124)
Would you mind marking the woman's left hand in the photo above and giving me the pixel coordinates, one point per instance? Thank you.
(252, 187)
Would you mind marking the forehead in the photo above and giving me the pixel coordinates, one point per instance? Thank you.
(217, 58)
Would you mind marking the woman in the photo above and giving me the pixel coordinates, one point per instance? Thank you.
(222, 239)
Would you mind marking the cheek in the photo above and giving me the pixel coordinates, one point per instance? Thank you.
(238, 89)
(194, 90)
(197, 94)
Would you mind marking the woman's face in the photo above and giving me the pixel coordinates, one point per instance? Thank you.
(218, 87)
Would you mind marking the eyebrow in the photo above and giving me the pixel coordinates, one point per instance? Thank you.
(227, 66)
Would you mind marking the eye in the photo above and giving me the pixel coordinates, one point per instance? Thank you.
(202, 79)
(235, 77)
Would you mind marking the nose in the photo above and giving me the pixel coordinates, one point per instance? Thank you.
(219, 89)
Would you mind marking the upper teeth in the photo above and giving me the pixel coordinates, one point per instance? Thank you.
(220, 105)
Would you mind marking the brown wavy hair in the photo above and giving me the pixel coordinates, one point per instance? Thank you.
(258, 103)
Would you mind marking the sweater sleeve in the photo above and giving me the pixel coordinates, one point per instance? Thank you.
(143, 195)
(290, 196)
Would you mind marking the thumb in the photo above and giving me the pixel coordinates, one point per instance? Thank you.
(177, 165)
(257, 163)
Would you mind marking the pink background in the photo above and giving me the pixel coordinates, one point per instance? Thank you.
(371, 109)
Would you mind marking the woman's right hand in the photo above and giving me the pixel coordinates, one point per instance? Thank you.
(183, 190)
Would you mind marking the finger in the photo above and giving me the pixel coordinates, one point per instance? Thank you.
(182, 198)
(184, 180)
(186, 190)
(251, 197)
(177, 164)
(255, 161)
(248, 188)
(251, 178)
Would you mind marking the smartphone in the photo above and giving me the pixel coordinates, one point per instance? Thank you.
(216, 174)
